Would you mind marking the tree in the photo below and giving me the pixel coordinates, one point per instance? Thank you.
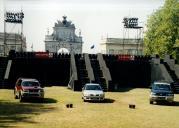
(162, 33)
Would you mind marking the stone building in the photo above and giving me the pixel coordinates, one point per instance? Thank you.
(63, 36)
(12, 41)
(122, 46)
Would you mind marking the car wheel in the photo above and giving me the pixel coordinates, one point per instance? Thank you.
(172, 103)
(151, 102)
(16, 97)
(41, 100)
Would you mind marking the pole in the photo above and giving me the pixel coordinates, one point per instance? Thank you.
(21, 32)
(137, 38)
(4, 33)
(81, 46)
(123, 40)
(15, 41)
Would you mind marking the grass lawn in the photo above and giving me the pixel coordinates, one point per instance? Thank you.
(113, 113)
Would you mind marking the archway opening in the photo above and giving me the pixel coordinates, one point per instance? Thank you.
(63, 51)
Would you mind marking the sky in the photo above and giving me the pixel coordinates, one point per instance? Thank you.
(96, 19)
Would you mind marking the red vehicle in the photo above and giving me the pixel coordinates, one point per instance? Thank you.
(28, 88)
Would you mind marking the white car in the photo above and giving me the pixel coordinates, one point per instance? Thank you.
(92, 92)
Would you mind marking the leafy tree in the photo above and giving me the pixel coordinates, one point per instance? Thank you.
(162, 33)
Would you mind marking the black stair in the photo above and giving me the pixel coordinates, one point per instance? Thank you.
(81, 72)
(173, 76)
(98, 74)
(128, 71)
(49, 71)
(3, 65)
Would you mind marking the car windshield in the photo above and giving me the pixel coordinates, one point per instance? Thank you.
(93, 87)
(161, 87)
(30, 83)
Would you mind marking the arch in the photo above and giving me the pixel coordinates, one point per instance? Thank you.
(63, 50)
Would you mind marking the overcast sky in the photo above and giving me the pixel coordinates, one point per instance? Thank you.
(95, 18)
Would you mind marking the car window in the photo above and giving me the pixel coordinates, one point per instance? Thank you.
(93, 87)
(161, 87)
(30, 83)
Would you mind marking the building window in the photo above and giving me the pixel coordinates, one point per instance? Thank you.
(13, 48)
(1, 49)
(111, 51)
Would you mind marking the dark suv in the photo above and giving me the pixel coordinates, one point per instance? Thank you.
(161, 91)
(28, 88)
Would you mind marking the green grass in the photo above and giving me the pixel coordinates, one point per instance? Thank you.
(114, 113)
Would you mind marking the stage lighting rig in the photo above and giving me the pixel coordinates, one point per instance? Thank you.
(14, 17)
(130, 22)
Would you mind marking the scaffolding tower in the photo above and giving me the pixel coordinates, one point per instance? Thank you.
(131, 23)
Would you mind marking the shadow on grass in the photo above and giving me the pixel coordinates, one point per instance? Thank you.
(43, 101)
(106, 100)
(123, 89)
(126, 89)
(13, 112)
(175, 103)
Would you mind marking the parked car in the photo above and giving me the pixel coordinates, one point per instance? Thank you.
(92, 92)
(28, 88)
(161, 92)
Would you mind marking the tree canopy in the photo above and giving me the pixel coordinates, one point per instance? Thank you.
(162, 34)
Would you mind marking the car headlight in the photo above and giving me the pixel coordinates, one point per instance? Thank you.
(85, 94)
(170, 94)
(101, 94)
(153, 93)
(25, 90)
(41, 90)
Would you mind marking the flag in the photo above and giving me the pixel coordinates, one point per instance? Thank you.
(92, 46)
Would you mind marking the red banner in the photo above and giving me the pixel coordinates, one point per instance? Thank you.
(41, 54)
(125, 57)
